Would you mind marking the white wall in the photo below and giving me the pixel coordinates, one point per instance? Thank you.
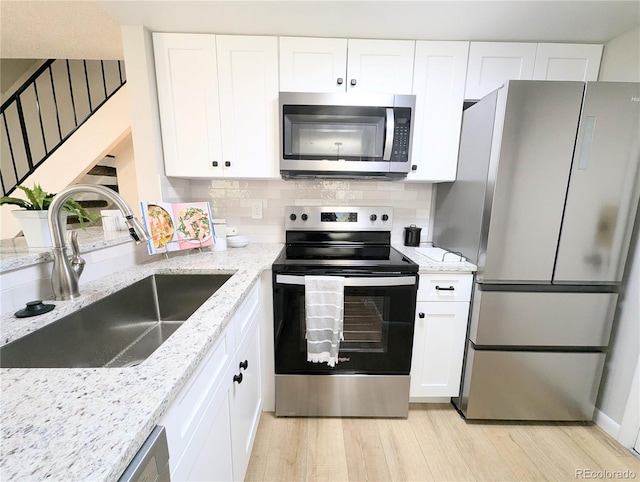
(14, 73)
(145, 119)
(621, 62)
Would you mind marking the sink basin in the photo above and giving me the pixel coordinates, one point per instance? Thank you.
(122, 329)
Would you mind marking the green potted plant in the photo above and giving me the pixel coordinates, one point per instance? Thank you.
(33, 214)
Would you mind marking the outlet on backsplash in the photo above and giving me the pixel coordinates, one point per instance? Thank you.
(256, 210)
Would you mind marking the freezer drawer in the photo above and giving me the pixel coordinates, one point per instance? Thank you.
(508, 318)
(520, 385)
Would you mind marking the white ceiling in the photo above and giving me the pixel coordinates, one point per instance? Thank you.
(90, 29)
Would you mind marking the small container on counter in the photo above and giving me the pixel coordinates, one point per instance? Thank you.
(412, 235)
(220, 233)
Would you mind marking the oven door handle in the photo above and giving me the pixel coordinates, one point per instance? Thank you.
(287, 279)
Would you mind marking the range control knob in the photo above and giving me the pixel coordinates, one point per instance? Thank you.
(304, 217)
(373, 217)
(292, 217)
(385, 217)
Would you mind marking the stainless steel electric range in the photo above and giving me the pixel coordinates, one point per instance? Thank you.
(371, 376)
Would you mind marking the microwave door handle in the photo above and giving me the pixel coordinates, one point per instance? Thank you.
(388, 143)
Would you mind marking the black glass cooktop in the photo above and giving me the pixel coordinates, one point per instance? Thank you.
(342, 253)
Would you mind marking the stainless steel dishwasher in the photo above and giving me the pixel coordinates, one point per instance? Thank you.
(151, 463)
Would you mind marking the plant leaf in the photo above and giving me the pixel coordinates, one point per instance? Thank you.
(73, 207)
(37, 196)
(14, 200)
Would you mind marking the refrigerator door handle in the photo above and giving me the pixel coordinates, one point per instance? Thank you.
(589, 128)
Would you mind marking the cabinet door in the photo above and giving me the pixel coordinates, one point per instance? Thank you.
(197, 422)
(313, 64)
(439, 75)
(187, 83)
(438, 349)
(246, 400)
(209, 457)
(567, 62)
(380, 66)
(491, 64)
(248, 78)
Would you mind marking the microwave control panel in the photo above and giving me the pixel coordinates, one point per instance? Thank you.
(402, 127)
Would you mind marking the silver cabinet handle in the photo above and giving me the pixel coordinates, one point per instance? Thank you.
(339, 81)
(353, 82)
(445, 288)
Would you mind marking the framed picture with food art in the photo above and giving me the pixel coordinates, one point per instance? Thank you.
(174, 227)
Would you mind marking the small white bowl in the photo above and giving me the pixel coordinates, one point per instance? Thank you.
(237, 241)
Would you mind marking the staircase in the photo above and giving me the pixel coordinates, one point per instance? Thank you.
(60, 127)
(48, 109)
(104, 173)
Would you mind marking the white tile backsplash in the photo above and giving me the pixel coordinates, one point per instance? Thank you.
(232, 200)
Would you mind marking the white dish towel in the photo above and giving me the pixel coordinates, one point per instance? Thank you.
(324, 313)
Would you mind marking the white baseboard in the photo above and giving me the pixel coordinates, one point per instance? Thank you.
(606, 423)
(430, 400)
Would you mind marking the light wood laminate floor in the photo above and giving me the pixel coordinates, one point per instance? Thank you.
(434, 443)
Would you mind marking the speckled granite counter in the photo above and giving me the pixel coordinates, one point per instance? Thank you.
(87, 424)
(14, 252)
(427, 265)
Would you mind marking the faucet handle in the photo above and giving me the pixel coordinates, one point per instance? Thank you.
(77, 262)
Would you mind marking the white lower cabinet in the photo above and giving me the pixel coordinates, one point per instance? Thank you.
(246, 396)
(211, 425)
(442, 311)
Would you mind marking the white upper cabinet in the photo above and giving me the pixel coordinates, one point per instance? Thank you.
(218, 100)
(248, 84)
(567, 62)
(380, 66)
(438, 83)
(493, 63)
(340, 65)
(313, 64)
(187, 80)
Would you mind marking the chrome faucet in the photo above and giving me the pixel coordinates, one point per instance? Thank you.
(67, 270)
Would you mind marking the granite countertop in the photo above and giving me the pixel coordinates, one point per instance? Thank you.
(14, 252)
(88, 423)
(427, 265)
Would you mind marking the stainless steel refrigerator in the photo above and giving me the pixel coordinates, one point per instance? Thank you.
(544, 203)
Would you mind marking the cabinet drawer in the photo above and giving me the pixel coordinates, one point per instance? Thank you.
(445, 287)
(245, 315)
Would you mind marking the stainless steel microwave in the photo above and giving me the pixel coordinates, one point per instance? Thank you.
(345, 135)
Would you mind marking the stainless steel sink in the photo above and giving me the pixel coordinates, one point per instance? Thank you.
(122, 329)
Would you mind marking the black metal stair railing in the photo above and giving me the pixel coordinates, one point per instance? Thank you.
(47, 109)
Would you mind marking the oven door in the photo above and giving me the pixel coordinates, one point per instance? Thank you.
(378, 326)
